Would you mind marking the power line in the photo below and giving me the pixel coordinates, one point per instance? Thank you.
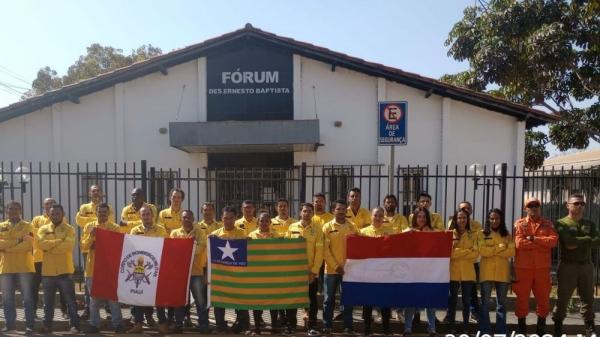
(13, 86)
(9, 92)
(11, 89)
(13, 75)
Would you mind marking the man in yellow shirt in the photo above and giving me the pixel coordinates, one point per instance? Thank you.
(359, 216)
(231, 231)
(396, 223)
(334, 251)
(150, 228)
(247, 222)
(38, 256)
(87, 214)
(197, 279)
(56, 240)
(321, 215)
(376, 229)
(282, 221)
(16, 267)
(437, 224)
(209, 224)
(170, 217)
(130, 215)
(265, 230)
(88, 240)
(311, 232)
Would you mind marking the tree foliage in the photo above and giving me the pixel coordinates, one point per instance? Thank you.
(98, 60)
(538, 53)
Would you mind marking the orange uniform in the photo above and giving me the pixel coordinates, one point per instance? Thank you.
(532, 264)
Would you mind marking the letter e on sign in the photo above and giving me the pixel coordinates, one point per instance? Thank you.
(392, 113)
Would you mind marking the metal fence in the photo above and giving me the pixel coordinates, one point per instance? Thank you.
(484, 186)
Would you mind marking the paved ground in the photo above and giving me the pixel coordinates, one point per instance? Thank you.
(573, 323)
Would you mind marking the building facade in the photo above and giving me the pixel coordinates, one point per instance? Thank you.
(250, 100)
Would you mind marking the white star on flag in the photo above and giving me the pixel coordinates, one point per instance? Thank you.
(227, 251)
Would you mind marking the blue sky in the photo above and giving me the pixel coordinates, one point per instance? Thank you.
(404, 34)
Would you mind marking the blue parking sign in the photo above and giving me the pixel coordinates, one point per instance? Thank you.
(392, 123)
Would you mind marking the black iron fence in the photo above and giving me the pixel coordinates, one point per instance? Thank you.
(484, 186)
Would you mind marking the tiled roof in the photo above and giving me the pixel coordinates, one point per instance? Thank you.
(161, 63)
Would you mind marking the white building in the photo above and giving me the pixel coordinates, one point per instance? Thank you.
(250, 98)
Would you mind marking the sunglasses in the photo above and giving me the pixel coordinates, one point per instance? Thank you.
(577, 203)
(533, 206)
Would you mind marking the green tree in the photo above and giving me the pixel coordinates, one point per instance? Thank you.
(538, 53)
(98, 60)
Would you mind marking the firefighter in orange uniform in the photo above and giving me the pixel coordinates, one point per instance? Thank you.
(534, 238)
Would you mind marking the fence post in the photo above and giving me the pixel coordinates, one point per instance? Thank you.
(152, 185)
(144, 179)
(503, 188)
(303, 183)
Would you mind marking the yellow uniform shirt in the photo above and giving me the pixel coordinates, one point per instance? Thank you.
(257, 234)
(321, 219)
(437, 224)
(313, 235)
(156, 231)
(235, 233)
(334, 244)
(57, 244)
(247, 225)
(15, 253)
(87, 214)
(37, 222)
(495, 251)
(465, 251)
(87, 242)
(475, 225)
(361, 219)
(132, 216)
(396, 224)
(280, 225)
(199, 236)
(373, 232)
(170, 219)
(209, 227)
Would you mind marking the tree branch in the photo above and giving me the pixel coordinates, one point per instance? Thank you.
(583, 84)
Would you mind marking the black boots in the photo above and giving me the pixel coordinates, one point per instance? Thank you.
(522, 328)
(558, 328)
(540, 327)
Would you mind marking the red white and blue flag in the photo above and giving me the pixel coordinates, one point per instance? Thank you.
(410, 269)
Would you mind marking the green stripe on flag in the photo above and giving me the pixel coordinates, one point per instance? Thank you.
(271, 241)
(302, 262)
(258, 296)
(247, 274)
(258, 285)
(218, 304)
(276, 251)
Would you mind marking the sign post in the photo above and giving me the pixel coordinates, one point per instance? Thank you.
(392, 132)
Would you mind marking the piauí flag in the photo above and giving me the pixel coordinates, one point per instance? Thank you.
(258, 274)
(410, 269)
(140, 270)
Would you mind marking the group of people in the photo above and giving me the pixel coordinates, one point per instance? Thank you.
(41, 251)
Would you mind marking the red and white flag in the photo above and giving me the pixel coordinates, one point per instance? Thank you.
(140, 270)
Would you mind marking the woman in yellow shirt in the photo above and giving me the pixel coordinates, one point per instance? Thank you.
(420, 222)
(462, 272)
(496, 247)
